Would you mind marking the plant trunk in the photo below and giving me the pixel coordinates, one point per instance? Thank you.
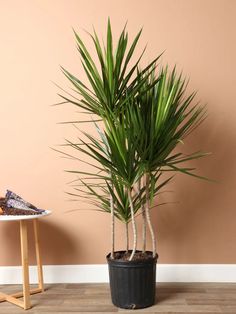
(127, 236)
(112, 226)
(144, 222)
(133, 225)
(147, 210)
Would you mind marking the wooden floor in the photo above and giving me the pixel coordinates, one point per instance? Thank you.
(95, 298)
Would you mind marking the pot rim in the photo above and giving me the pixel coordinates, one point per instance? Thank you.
(118, 261)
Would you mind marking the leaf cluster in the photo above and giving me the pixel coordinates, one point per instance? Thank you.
(145, 115)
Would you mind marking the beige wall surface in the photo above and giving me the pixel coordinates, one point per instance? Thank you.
(199, 223)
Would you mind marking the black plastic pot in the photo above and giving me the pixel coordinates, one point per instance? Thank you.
(132, 283)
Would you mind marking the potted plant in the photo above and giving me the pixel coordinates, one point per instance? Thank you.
(140, 116)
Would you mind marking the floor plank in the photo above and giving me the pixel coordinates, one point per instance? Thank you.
(192, 298)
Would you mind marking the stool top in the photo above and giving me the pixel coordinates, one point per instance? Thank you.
(23, 217)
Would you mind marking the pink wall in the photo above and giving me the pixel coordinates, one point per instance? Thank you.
(36, 37)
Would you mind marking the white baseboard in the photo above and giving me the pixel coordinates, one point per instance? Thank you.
(99, 273)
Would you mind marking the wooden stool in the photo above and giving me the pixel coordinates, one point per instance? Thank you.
(13, 298)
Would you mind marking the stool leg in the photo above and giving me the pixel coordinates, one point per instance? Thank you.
(38, 255)
(25, 263)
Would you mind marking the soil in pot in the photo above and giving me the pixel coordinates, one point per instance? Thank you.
(138, 256)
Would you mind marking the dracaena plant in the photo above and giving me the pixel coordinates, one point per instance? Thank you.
(144, 114)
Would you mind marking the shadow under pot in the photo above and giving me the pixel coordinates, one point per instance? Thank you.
(132, 283)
